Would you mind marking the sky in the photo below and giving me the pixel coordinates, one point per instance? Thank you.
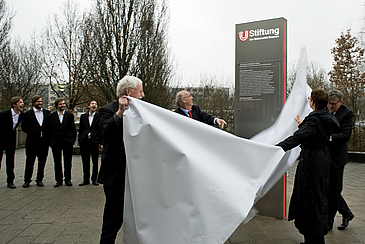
(202, 32)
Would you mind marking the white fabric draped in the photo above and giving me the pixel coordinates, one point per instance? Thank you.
(187, 182)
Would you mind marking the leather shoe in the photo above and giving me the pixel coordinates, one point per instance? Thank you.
(40, 183)
(58, 184)
(11, 185)
(84, 183)
(345, 222)
(26, 184)
(68, 183)
(95, 183)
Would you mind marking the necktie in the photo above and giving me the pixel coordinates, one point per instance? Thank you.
(191, 116)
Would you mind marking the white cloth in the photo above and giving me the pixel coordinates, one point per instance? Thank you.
(187, 182)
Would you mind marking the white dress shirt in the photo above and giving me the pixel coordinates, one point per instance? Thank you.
(60, 116)
(91, 118)
(39, 115)
(15, 117)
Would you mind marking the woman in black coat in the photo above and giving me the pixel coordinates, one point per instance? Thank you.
(309, 204)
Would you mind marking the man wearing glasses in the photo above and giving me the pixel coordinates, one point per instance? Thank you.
(338, 151)
(187, 108)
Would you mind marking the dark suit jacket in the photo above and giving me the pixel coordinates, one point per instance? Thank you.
(340, 137)
(7, 133)
(85, 129)
(198, 115)
(113, 160)
(61, 133)
(31, 126)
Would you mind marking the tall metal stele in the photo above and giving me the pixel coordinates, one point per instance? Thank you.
(260, 78)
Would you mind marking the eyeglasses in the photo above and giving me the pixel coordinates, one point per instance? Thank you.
(333, 104)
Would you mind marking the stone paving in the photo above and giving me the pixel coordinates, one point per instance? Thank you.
(74, 214)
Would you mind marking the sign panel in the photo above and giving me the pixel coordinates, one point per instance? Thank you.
(260, 75)
(260, 81)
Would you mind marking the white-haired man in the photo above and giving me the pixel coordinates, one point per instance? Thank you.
(186, 107)
(113, 160)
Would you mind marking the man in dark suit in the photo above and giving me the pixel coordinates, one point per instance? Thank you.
(37, 143)
(113, 160)
(61, 130)
(187, 108)
(9, 121)
(89, 142)
(338, 151)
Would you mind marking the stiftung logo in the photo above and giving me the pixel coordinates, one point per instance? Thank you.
(258, 34)
(243, 36)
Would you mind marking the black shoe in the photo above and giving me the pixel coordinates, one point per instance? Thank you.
(26, 184)
(58, 184)
(40, 183)
(68, 183)
(345, 222)
(11, 185)
(84, 183)
(95, 183)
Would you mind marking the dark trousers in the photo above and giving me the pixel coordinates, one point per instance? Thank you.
(309, 239)
(89, 149)
(67, 161)
(113, 213)
(10, 154)
(343, 209)
(335, 200)
(32, 151)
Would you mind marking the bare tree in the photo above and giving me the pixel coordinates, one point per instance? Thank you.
(64, 52)
(114, 43)
(153, 63)
(20, 72)
(5, 24)
(129, 37)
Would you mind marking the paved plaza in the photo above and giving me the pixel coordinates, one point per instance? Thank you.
(74, 214)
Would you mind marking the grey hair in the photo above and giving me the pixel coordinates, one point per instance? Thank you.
(127, 81)
(335, 93)
(179, 96)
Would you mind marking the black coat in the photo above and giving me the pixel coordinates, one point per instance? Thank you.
(113, 159)
(85, 129)
(61, 133)
(309, 201)
(33, 129)
(340, 137)
(198, 115)
(7, 133)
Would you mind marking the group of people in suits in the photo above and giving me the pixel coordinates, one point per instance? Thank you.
(45, 129)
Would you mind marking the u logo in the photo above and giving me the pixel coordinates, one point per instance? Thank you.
(243, 36)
